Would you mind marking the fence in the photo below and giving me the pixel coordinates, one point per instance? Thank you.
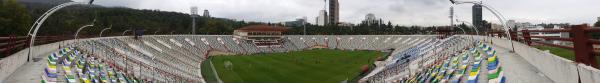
(583, 45)
(582, 42)
(12, 44)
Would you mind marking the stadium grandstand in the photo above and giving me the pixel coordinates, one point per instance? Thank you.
(264, 54)
(173, 58)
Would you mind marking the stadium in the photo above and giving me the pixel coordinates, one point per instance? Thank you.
(232, 51)
(164, 58)
(148, 58)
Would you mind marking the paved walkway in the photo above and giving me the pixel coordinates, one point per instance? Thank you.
(483, 72)
(30, 72)
(517, 69)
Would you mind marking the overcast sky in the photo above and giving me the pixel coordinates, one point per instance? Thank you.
(402, 12)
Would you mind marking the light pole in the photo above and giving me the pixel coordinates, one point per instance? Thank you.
(105, 30)
(496, 13)
(78, 30)
(125, 32)
(474, 27)
(463, 30)
(38, 23)
(304, 25)
(156, 31)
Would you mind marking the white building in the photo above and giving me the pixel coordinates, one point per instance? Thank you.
(206, 14)
(547, 34)
(370, 18)
(511, 23)
(297, 23)
(347, 24)
(498, 27)
(322, 18)
(519, 25)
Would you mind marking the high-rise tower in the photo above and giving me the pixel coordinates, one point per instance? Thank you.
(322, 18)
(334, 12)
(206, 14)
(194, 14)
(477, 17)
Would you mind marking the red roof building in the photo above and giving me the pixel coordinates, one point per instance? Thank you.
(261, 35)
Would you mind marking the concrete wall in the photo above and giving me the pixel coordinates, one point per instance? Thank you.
(556, 68)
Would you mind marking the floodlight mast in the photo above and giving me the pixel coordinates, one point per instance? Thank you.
(452, 20)
(496, 13)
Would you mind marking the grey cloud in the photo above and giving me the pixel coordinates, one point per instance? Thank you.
(404, 12)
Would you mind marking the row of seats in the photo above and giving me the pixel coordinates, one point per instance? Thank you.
(495, 70)
(168, 66)
(450, 69)
(71, 66)
(465, 66)
(423, 52)
(356, 42)
(178, 58)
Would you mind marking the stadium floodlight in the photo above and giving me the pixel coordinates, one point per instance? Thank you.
(498, 15)
(78, 30)
(123, 34)
(105, 30)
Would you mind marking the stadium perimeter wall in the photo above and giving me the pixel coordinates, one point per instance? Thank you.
(558, 69)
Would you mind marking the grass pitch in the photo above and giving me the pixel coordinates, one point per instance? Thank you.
(312, 66)
(565, 53)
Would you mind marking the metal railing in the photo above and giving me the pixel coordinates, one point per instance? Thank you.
(12, 44)
(583, 44)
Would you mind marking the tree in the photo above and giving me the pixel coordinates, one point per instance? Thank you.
(597, 24)
(14, 18)
(596, 35)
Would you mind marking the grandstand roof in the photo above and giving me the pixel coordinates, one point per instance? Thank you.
(262, 27)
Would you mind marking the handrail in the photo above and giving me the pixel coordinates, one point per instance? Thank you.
(582, 43)
(554, 45)
(596, 29)
(551, 30)
(553, 38)
(9, 45)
